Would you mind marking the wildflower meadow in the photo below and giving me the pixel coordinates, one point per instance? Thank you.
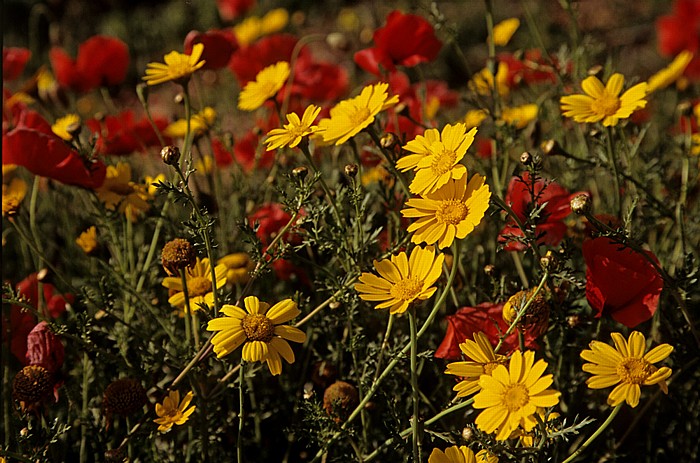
(351, 231)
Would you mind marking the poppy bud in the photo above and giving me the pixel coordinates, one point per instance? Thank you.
(170, 155)
(351, 170)
(581, 204)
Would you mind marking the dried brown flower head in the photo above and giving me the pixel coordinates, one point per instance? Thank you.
(177, 255)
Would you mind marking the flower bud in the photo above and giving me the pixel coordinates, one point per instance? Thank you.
(549, 262)
(177, 255)
(467, 434)
(388, 141)
(179, 98)
(170, 155)
(551, 148)
(351, 170)
(526, 158)
(581, 204)
(490, 270)
(338, 41)
(300, 172)
(339, 400)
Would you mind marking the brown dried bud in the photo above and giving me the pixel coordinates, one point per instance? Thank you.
(490, 270)
(549, 262)
(573, 320)
(467, 433)
(124, 397)
(338, 41)
(388, 141)
(170, 155)
(351, 170)
(323, 374)
(339, 400)
(536, 318)
(551, 148)
(74, 129)
(581, 204)
(526, 158)
(177, 255)
(594, 70)
(179, 98)
(334, 305)
(300, 172)
(31, 385)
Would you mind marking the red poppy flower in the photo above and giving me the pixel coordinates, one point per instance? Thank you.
(550, 228)
(44, 348)
(484, 147)
(232, 9)
(681, 31)
(319, 82)
(122, 135)
(531, 69)
(33, 145)
(286, 270)
(13, 62)
(218, 47)
(271, 218)
(244, 152)
(246, 62)
(620, 282)
(486, 317)
(101, 61)
(405, 40)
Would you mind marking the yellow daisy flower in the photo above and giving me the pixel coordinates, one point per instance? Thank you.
(61, 126)
(482, 82)
(484, 456)
(436, 157)
(199, 123)
(503, 31)
(12, 195)
(87, 240)
(453, 454)
(252, 28)
(482, 360)
(152, 182)
(172, 411)
(604, 103)
(238, 265)
(670, 73)
(451, 212)
(475, 117)
(512, 394)
(260, 330)
(291, 134)
(402, 280)
(178, 67)
(351, 116)
(626, 364)
(519, 116)
(199, 287)
(265, 86)
(119, 190)
(527, 438)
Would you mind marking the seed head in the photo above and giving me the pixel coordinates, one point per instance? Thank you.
(177, 255)
(124, 397)
(339, 400)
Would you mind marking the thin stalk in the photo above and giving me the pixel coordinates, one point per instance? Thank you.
(84, 409)
(188, 310)
(239, 440)
(415, 422)
(595, 435)
(154, 242)
(385, 343)
(612, 159)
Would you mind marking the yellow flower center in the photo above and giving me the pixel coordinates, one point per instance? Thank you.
(443, 162)
(181, 67)
(407, 289)
(489, 367)
(607, 105)
(198, 286)
(632, 370)
(451, 212)
(358, 115)
(515, 397)
(258, 327)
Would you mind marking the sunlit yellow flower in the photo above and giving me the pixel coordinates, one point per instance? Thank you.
(178, 67)
(377, 174)
(239, 266)
(204, 165)
(436, 157)
(503, 31)
(451, 212)
(475, 117)
(119, 191)
(604, 103)
(19, 97)
(695, 148)
(512, 394)
(265, 86)
(670, 73)
(481, 360)
(12, 196)
(402, 280)
(87, 240)
(151, 183)
(260, 330)
(172, 411)
(46, 83)
(63, 124)
(519, 116)
(351, 116)
(484, 456)
(453, 454)
(626, 364)
(199, 123)
(293, 132)
(527, 438)
(250, 29)
(482, 82)
(199, 287)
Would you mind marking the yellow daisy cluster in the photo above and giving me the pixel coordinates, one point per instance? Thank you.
(178, 67)
(119, 192)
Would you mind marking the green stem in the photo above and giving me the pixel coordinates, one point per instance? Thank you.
(154, 243)
(84, 410)
(595, 435)
(612, 159)
(239, 440)
(415, 422)
(188, 309)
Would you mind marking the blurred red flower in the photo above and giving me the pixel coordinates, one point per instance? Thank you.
(550, 228)
(44, 348)
(681, 31)
(222, 155)
(271, 218)
(13, 62)
(318, 82)
(218, 47)
(620, 282)
(531, 69)
(231, 9)
(286, 270)
(101, 61)
(486, 317)
(33, 145)
(122, 135)
(246, 62)
(405, 40)
(244, 152)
